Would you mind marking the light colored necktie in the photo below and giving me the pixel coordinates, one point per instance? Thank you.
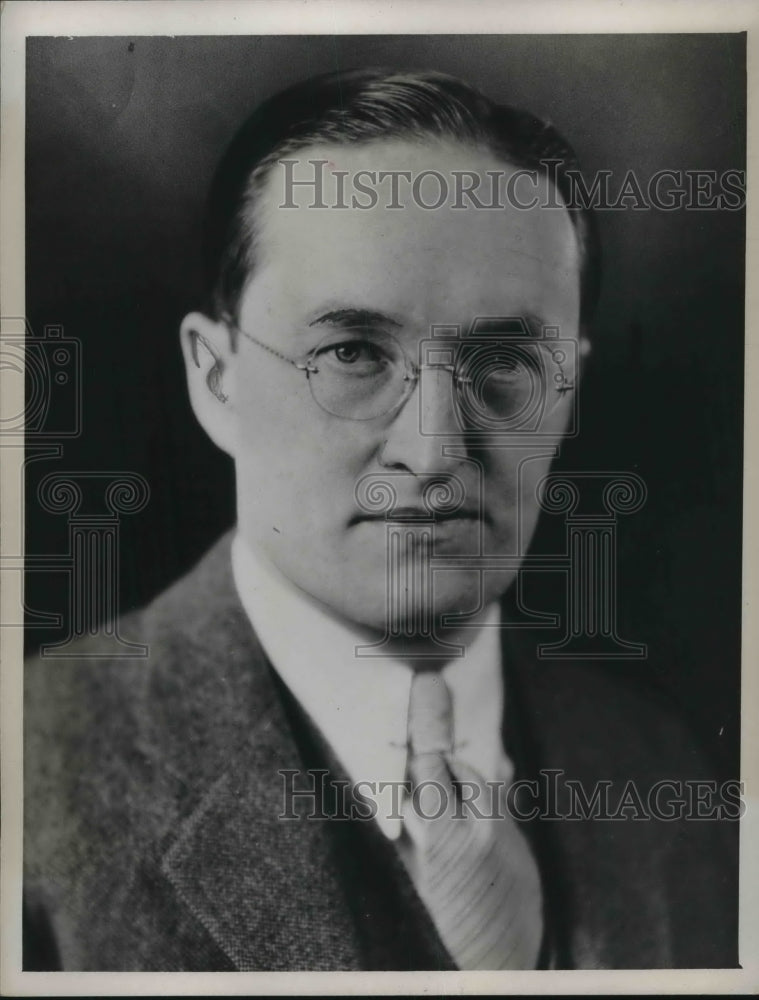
(476, 876)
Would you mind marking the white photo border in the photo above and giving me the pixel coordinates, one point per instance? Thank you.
(22, 18)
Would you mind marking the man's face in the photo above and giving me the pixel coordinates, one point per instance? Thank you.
(396, 271)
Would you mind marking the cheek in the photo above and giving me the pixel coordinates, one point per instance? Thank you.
(512, 477)
(269, 401)
(295, 460)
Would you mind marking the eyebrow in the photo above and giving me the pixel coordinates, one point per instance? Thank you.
(512, 324)
(351, 317)
(535, 323)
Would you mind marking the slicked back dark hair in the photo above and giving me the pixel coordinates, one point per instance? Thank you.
(361, 106)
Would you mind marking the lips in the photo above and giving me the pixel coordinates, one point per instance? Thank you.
(411, 513)
(414, 513)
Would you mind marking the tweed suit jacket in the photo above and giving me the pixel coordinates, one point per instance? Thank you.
(152, 797)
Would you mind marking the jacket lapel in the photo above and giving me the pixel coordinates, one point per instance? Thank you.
(265, 888)
(599, 915)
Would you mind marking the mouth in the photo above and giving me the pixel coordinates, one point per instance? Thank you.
(411, 514)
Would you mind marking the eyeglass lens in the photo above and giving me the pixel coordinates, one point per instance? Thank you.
(497, 383)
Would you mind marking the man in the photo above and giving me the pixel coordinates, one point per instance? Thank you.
(387, 255)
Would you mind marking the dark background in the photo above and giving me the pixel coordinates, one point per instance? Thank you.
(122, 138)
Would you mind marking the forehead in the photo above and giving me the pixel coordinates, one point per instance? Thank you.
(444, 264)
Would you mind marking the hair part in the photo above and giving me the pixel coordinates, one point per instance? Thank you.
(361, 106)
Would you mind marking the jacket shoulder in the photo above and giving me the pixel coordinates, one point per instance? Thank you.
(608, 716)
(118, 749)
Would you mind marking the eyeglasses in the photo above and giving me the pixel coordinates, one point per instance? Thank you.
(497, 381)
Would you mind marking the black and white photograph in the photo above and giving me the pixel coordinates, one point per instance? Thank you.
(374, 427)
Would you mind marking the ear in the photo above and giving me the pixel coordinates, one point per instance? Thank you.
(586, 345)
(207, 351)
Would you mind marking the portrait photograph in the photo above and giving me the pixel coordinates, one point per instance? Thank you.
(377, 483)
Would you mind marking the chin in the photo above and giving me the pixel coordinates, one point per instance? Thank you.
(415, 614)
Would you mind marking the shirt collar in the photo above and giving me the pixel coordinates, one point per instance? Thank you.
(360, 704)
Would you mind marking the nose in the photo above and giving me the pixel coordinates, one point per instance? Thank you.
(426, 421)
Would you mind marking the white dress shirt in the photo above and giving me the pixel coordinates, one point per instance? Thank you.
(360, 704)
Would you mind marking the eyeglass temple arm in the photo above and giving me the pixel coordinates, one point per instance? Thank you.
(303, 366)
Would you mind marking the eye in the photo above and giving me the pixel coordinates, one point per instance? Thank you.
(505, 366)
(501, 364)
(353, 351)
(360, 357)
